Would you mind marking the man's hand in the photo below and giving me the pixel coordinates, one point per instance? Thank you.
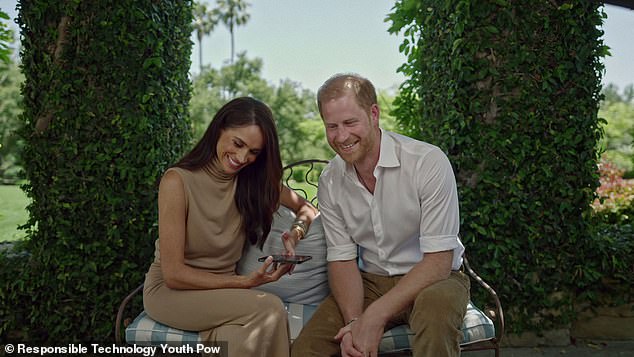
(344, 336)
(361, 338)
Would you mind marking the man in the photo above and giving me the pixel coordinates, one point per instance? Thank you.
(389, 207)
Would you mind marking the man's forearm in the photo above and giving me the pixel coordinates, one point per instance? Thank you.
(433, 268)
(347, 288)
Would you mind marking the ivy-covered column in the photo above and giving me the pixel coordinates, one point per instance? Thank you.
(510, 89)
(106, 97)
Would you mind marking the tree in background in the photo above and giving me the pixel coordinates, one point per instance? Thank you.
(618, 112)
(611, 94)
(10, 111)
(205, 21)
(6, 38)
(294, 108)
(233, 13)
(616, 144)
(388, 121)
(105, 112)
(10, 79)
(214, 87)
(510, 90)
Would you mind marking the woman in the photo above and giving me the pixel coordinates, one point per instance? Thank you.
(219, 196)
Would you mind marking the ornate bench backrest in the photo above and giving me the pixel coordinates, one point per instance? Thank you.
(303, 177)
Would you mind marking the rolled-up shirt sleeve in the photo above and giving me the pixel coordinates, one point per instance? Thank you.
(340, 244)
(440, 218)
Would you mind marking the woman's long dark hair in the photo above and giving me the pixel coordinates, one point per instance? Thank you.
(258, 192)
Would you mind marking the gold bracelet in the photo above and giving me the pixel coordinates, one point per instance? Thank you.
(300, 223)
(300, 232)
(300, 226)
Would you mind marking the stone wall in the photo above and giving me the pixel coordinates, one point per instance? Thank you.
(605, 323)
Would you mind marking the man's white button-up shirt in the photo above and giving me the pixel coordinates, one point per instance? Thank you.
(414, 208)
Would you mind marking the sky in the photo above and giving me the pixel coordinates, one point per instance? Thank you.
(307, 41)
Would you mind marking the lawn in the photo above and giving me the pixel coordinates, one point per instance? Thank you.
(12, 212)
(310, 191)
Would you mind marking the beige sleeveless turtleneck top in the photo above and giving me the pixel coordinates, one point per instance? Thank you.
(214, 240)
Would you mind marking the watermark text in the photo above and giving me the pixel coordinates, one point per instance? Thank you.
(94, 349)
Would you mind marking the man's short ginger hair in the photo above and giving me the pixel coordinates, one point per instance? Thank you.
(343, 83)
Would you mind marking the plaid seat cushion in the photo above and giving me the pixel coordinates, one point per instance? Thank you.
(146, 332)
(476, 327)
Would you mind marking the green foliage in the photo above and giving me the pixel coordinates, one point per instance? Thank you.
(612, 262)
(616, 144)
(10, 79)
(105, 105)
(612, 256)
(299, 128)
(387, 120)
(12, 314)
(10, 110)
(510, 90)
(12, 212)
(6, 38)
(611, 93)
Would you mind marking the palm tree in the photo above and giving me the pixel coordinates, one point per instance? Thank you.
(233, 13)
(204, 22)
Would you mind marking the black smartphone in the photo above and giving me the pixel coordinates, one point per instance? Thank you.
(287, 259)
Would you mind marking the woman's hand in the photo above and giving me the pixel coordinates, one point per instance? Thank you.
(268, 272)
(290, 240)
(305, 213)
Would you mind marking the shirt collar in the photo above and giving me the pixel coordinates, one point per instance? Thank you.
(387, 155)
